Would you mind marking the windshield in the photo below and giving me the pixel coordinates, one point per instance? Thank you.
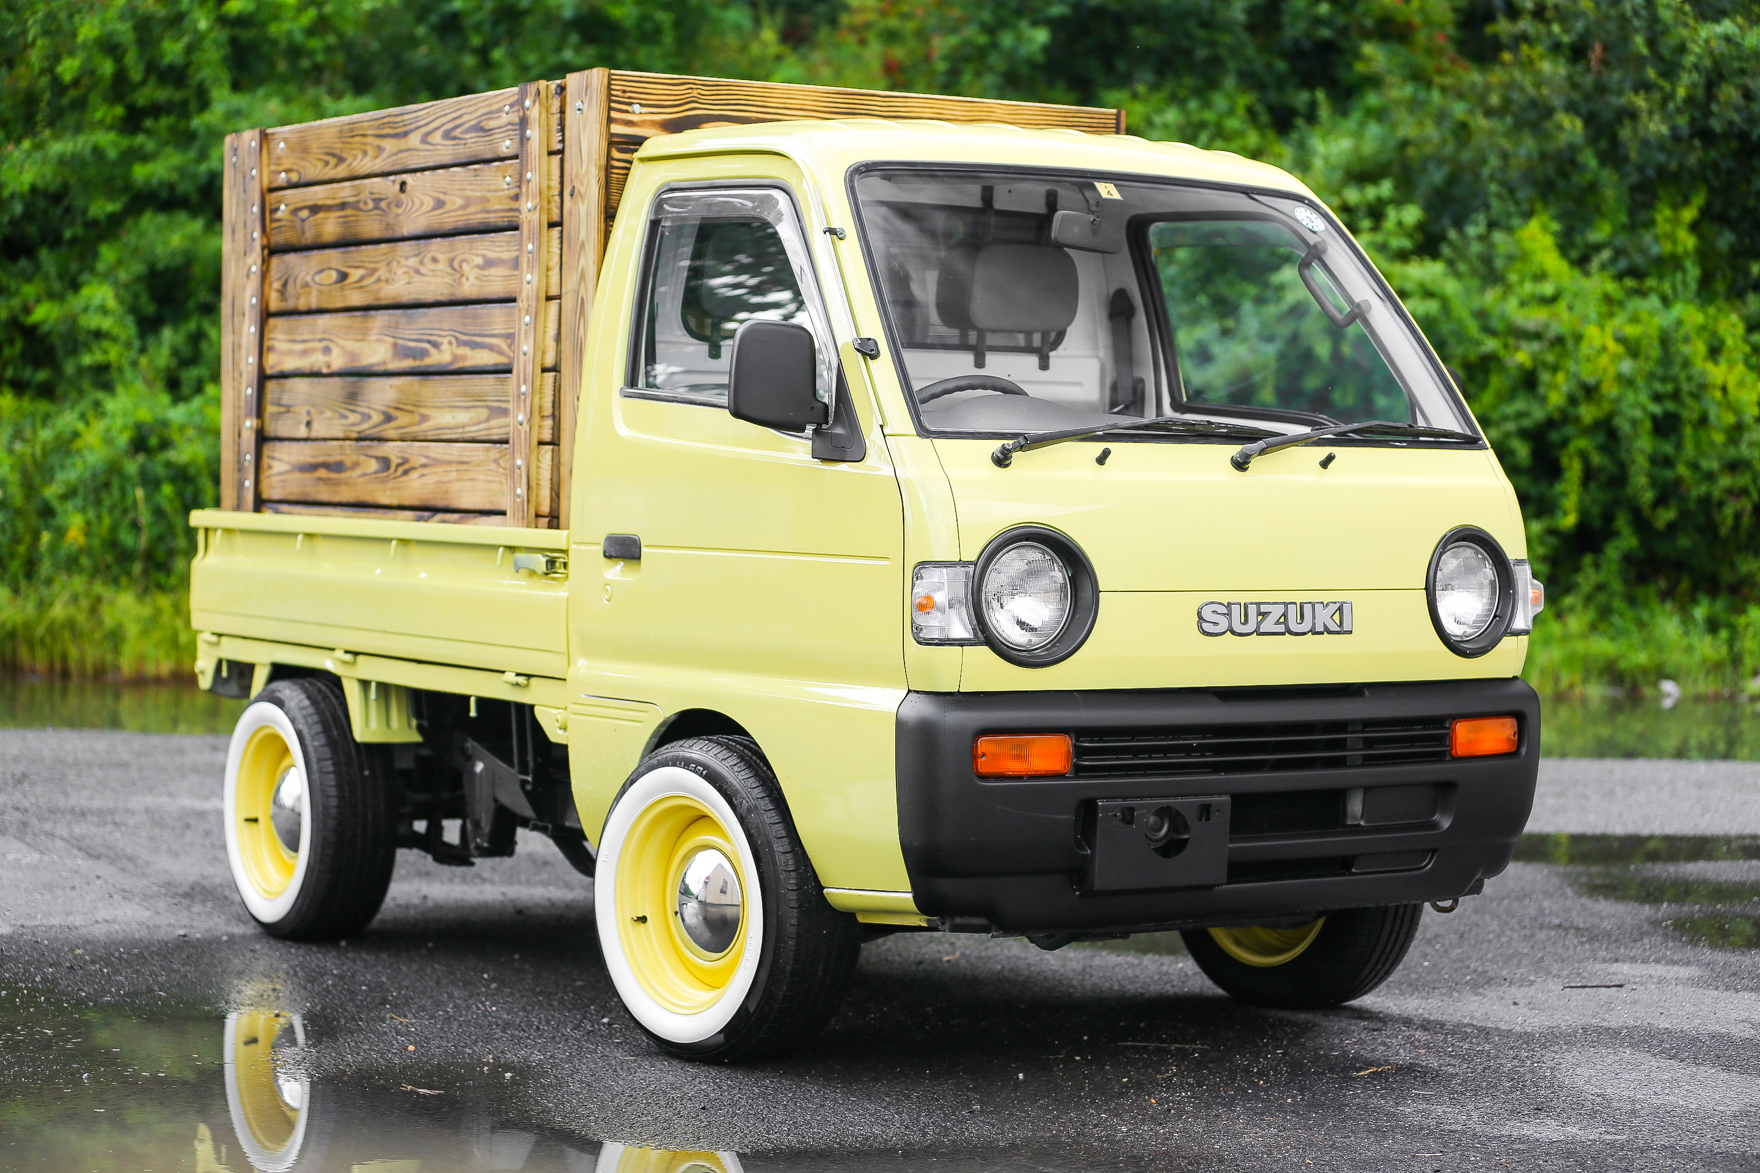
(1023, 302)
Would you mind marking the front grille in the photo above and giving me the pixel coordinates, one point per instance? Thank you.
(1190, 751)
(1288, 812)
(1267, 870)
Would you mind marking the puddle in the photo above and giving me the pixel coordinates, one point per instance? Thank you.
(1619, 727)
(245, 1091)
(1648, 887)
(167, 707)
(1163, 944)
(1709, 909)
(1635, 849)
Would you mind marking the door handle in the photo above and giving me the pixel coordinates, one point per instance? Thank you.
(627, 547)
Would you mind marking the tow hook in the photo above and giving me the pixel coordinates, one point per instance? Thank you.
(1446, 905)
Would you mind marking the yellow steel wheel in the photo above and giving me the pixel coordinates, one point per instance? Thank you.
(1261, 946)
(269, 805)
(268, 1103)
(671, 844)
(632, 1160)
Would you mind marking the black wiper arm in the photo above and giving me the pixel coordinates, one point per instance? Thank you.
(1248, 452)
(1004, 454)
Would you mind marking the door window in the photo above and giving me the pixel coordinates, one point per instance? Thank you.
(715, 260)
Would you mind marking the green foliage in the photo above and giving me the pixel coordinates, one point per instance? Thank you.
(1563, 193)
(85, 629)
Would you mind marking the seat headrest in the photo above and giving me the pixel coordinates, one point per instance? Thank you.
(1025, 288)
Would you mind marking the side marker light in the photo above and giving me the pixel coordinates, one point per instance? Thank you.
(1028, 755)
(1480, 737)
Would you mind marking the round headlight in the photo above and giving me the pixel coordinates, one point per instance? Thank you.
(1472, 591)
(1466, 590)
(1026, 596)
(1034, 596)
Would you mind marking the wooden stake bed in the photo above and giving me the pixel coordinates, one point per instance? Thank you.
(406, 292)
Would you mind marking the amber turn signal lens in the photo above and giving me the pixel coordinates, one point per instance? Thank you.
(1479, 737)
(1028, 755)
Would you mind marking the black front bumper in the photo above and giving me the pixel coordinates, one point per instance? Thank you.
(1296, 764)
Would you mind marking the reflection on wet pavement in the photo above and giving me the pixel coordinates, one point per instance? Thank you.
(1614, 849)
(1710, 883)
(237, 1093)
(1166, 944)
(1630, 727)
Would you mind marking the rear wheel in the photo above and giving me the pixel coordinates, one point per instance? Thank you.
(309, 822)
(1326, 962)
(713, 924)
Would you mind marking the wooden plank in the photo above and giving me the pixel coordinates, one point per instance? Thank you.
(527, 361)
(433, 271)
(643, 105)
(419, 407)
(466, 477)
(433, 340)
(445, 202)
(582, 248)
(468, 129)
(385, 514)
(647, 104)
(556, 94)
(232, 270)
(242, 331)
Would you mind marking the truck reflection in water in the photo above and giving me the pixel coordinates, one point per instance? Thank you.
(283, 1120)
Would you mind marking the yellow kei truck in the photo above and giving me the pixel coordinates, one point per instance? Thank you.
(824, 514)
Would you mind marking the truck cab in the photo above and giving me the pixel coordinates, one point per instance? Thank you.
(969, 529)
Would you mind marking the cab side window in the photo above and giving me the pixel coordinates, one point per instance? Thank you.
(714, 260)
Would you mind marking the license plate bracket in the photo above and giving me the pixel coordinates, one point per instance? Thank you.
(1159, 843)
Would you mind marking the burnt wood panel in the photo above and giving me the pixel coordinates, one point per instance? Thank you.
(245, 255)
(646, 104)
(381, 514)
(467, 477)
(431, 271)
(448, 202)
(582, 248)
(643, 105)
(468, 129)
(420, 407)
(432, 340)
(527, 358)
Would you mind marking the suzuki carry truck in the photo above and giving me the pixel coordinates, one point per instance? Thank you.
(826, 514)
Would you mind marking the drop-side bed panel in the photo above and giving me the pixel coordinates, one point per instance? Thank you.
(423, 591)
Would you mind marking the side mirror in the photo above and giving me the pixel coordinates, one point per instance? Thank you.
(772, 376)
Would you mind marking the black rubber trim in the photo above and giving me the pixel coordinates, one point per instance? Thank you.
(1009, 851)
(1084, 592)
(1493, 634)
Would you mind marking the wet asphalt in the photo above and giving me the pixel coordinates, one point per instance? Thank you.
(1598, 1007)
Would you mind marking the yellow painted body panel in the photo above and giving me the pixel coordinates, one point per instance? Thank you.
(770, 584)
(773, 588)
(431, 592)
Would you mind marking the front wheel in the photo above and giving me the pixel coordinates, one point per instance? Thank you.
(309, 821)
(1326, 962)
(713, 924)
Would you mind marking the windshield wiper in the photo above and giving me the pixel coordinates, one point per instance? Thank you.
(1004, 454)
(1245, 456)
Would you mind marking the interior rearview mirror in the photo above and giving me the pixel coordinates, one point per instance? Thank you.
(773, 376)
(1089, 233)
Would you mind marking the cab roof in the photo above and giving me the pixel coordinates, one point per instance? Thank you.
(832, 146)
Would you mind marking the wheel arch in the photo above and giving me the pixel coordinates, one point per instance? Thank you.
(696, 723)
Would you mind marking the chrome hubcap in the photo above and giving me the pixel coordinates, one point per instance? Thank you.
(287, 810)
(709, 901)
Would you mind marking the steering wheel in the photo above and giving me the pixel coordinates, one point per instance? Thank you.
(960, 383)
